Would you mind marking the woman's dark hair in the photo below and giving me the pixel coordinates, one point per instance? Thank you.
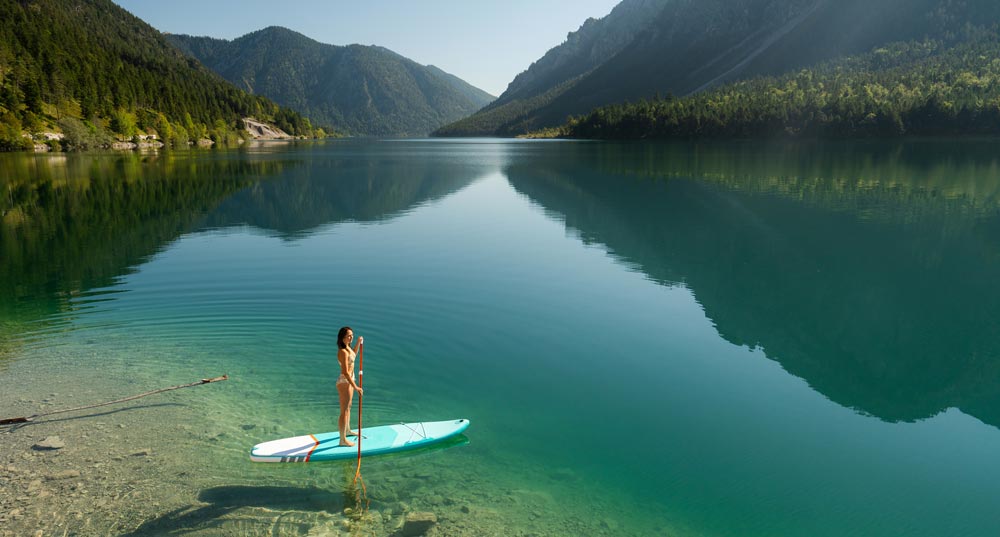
(341, 335)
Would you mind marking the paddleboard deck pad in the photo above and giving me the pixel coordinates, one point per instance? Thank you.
(374, 441)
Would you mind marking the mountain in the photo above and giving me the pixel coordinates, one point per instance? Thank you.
(367, 90)
(915, 88)
(597, 41)
(694, 45)
(63, 61)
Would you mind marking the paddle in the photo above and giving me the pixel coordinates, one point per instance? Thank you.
(361, 380)
(357, 473)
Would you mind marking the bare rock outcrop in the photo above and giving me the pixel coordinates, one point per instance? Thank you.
(263, 131)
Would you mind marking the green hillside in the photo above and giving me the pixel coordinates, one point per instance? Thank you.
(927, 88)
(92, 70)
(692, 46)
(701, 45)
(366, 90)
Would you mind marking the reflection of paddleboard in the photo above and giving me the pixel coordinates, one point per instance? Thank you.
(374, 441)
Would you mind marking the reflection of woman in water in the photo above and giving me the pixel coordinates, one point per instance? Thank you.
(345, 382)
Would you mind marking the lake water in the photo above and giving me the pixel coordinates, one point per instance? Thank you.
(649, 339)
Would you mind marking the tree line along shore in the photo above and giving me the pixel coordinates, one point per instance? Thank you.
(919, 88)
(100, 76)
(75, 134)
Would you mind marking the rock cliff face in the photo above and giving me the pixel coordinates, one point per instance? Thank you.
(593, 44)
(263, 131)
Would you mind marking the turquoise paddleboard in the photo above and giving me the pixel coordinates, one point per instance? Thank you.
(374, 441)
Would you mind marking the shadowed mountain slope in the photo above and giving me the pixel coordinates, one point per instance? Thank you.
(689, 46)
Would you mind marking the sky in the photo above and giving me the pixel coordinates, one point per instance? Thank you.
(485, 43)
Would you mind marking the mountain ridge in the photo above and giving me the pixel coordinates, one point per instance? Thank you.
(367, 89)
(559, 69)
(695, 45)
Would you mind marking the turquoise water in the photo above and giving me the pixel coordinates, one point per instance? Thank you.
(649, 339)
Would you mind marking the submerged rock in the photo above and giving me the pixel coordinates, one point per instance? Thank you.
(417, 524)
(65, 474)
(52, 442)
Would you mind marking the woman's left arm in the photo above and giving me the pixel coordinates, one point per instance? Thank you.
(361, 339)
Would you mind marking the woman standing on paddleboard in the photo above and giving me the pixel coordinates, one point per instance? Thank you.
(345, 382)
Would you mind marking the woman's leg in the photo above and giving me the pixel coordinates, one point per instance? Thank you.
(350, 403)
(344, 421)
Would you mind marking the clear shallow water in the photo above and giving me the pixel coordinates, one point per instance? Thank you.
(733, 339)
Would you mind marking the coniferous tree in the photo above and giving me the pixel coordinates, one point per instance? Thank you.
(94, 62)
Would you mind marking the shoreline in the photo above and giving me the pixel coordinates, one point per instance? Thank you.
(179, 461)
(252, 130)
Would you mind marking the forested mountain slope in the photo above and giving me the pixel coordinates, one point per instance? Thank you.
(92, 62)
(368, 90)
(922, 88)
(696, 45)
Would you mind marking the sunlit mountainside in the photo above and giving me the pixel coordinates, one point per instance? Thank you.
(690, 47)
(367, 90)
(95, 68)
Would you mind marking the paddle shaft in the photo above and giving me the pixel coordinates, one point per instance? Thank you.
(357, 473)
(361, 381)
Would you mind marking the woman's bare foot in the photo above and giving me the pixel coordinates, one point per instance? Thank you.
(352, 433)
(347, 443)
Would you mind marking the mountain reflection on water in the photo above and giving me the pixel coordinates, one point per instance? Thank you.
(330, 188)
(869, 270)
(72, 223)
(75, 222)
